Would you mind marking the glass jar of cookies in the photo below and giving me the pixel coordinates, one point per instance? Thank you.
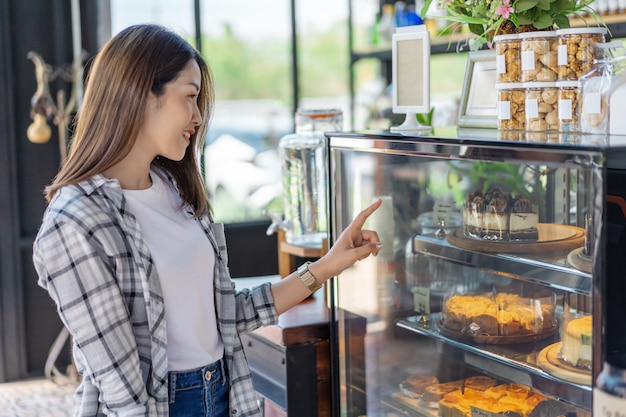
(577, 51)
(541, 106)
(511, 104)
(594, 104)
(507, 58)
(568, 106)
(539, 56)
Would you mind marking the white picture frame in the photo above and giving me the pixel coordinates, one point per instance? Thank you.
(410, 51)
(479, 101)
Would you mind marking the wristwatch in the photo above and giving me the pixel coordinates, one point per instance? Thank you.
(307, 277)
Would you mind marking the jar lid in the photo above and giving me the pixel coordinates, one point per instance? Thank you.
(574, 31)
(538, 34)
(609, 45)
(567, 84)
(507, 37)
(539, 84)
(319, 113)
(508, 86)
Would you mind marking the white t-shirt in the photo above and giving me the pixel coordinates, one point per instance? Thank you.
(184, 260)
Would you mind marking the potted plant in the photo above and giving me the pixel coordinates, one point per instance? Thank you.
(488, 18)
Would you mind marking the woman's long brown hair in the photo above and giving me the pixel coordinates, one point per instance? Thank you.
(139, 60)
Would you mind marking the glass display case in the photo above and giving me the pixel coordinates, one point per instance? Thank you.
(498, 289)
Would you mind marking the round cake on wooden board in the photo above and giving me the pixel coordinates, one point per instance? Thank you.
(577, 342)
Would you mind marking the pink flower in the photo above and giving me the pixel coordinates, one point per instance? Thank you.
(505, 9)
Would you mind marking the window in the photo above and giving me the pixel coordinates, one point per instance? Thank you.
(248, 46)
(176, 15)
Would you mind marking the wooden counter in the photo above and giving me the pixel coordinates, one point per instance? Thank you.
(290, 361)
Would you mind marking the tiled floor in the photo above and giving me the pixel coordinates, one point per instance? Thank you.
(36, 398)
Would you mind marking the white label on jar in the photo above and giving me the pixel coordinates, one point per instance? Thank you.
(592, 103)
(532, 108)
(528, 61)
(504, 110)
(562, 55)
(500, 64)
(607, 405)
(565, 109)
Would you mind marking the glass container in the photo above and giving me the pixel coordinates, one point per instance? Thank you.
(568, 106)
(508, 58)
(577, 51)
(303, 159)
(541, 107)
(511, 105)
(539, 56)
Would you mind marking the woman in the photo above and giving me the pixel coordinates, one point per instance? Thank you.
(129, 253)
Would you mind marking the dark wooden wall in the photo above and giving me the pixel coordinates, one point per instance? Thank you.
(28, 321)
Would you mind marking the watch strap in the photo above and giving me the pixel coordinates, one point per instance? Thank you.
(307, 277)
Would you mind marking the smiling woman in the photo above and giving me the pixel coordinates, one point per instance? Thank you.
(128, 243)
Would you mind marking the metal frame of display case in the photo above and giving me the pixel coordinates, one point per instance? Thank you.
(607, 157)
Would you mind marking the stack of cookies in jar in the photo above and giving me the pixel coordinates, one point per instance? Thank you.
(538, 77)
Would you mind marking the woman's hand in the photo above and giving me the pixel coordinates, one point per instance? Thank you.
(354, 244)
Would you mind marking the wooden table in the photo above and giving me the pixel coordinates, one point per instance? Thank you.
(290, 361)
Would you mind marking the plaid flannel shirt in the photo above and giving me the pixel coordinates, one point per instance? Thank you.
(93, 261)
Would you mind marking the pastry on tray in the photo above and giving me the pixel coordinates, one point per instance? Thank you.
(576, 342)
(455, 398)
(417, 383)
(497, 216)
(434, 393)
(502, 398)
(502, 314)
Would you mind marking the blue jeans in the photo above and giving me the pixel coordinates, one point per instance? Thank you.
(201, 392)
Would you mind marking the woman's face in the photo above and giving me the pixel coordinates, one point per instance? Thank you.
(172, 118)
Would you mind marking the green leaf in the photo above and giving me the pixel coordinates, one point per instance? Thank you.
(524, 5)
(426, 119)
(523, 19)
(543, 21)
(476, 29)
(456, 16)
(543, 4)
(425, 8)
(564, 7)
(561, 21)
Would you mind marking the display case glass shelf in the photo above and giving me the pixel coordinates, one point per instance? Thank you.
(496, 286)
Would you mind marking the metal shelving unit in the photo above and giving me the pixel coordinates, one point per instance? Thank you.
(616, 24)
